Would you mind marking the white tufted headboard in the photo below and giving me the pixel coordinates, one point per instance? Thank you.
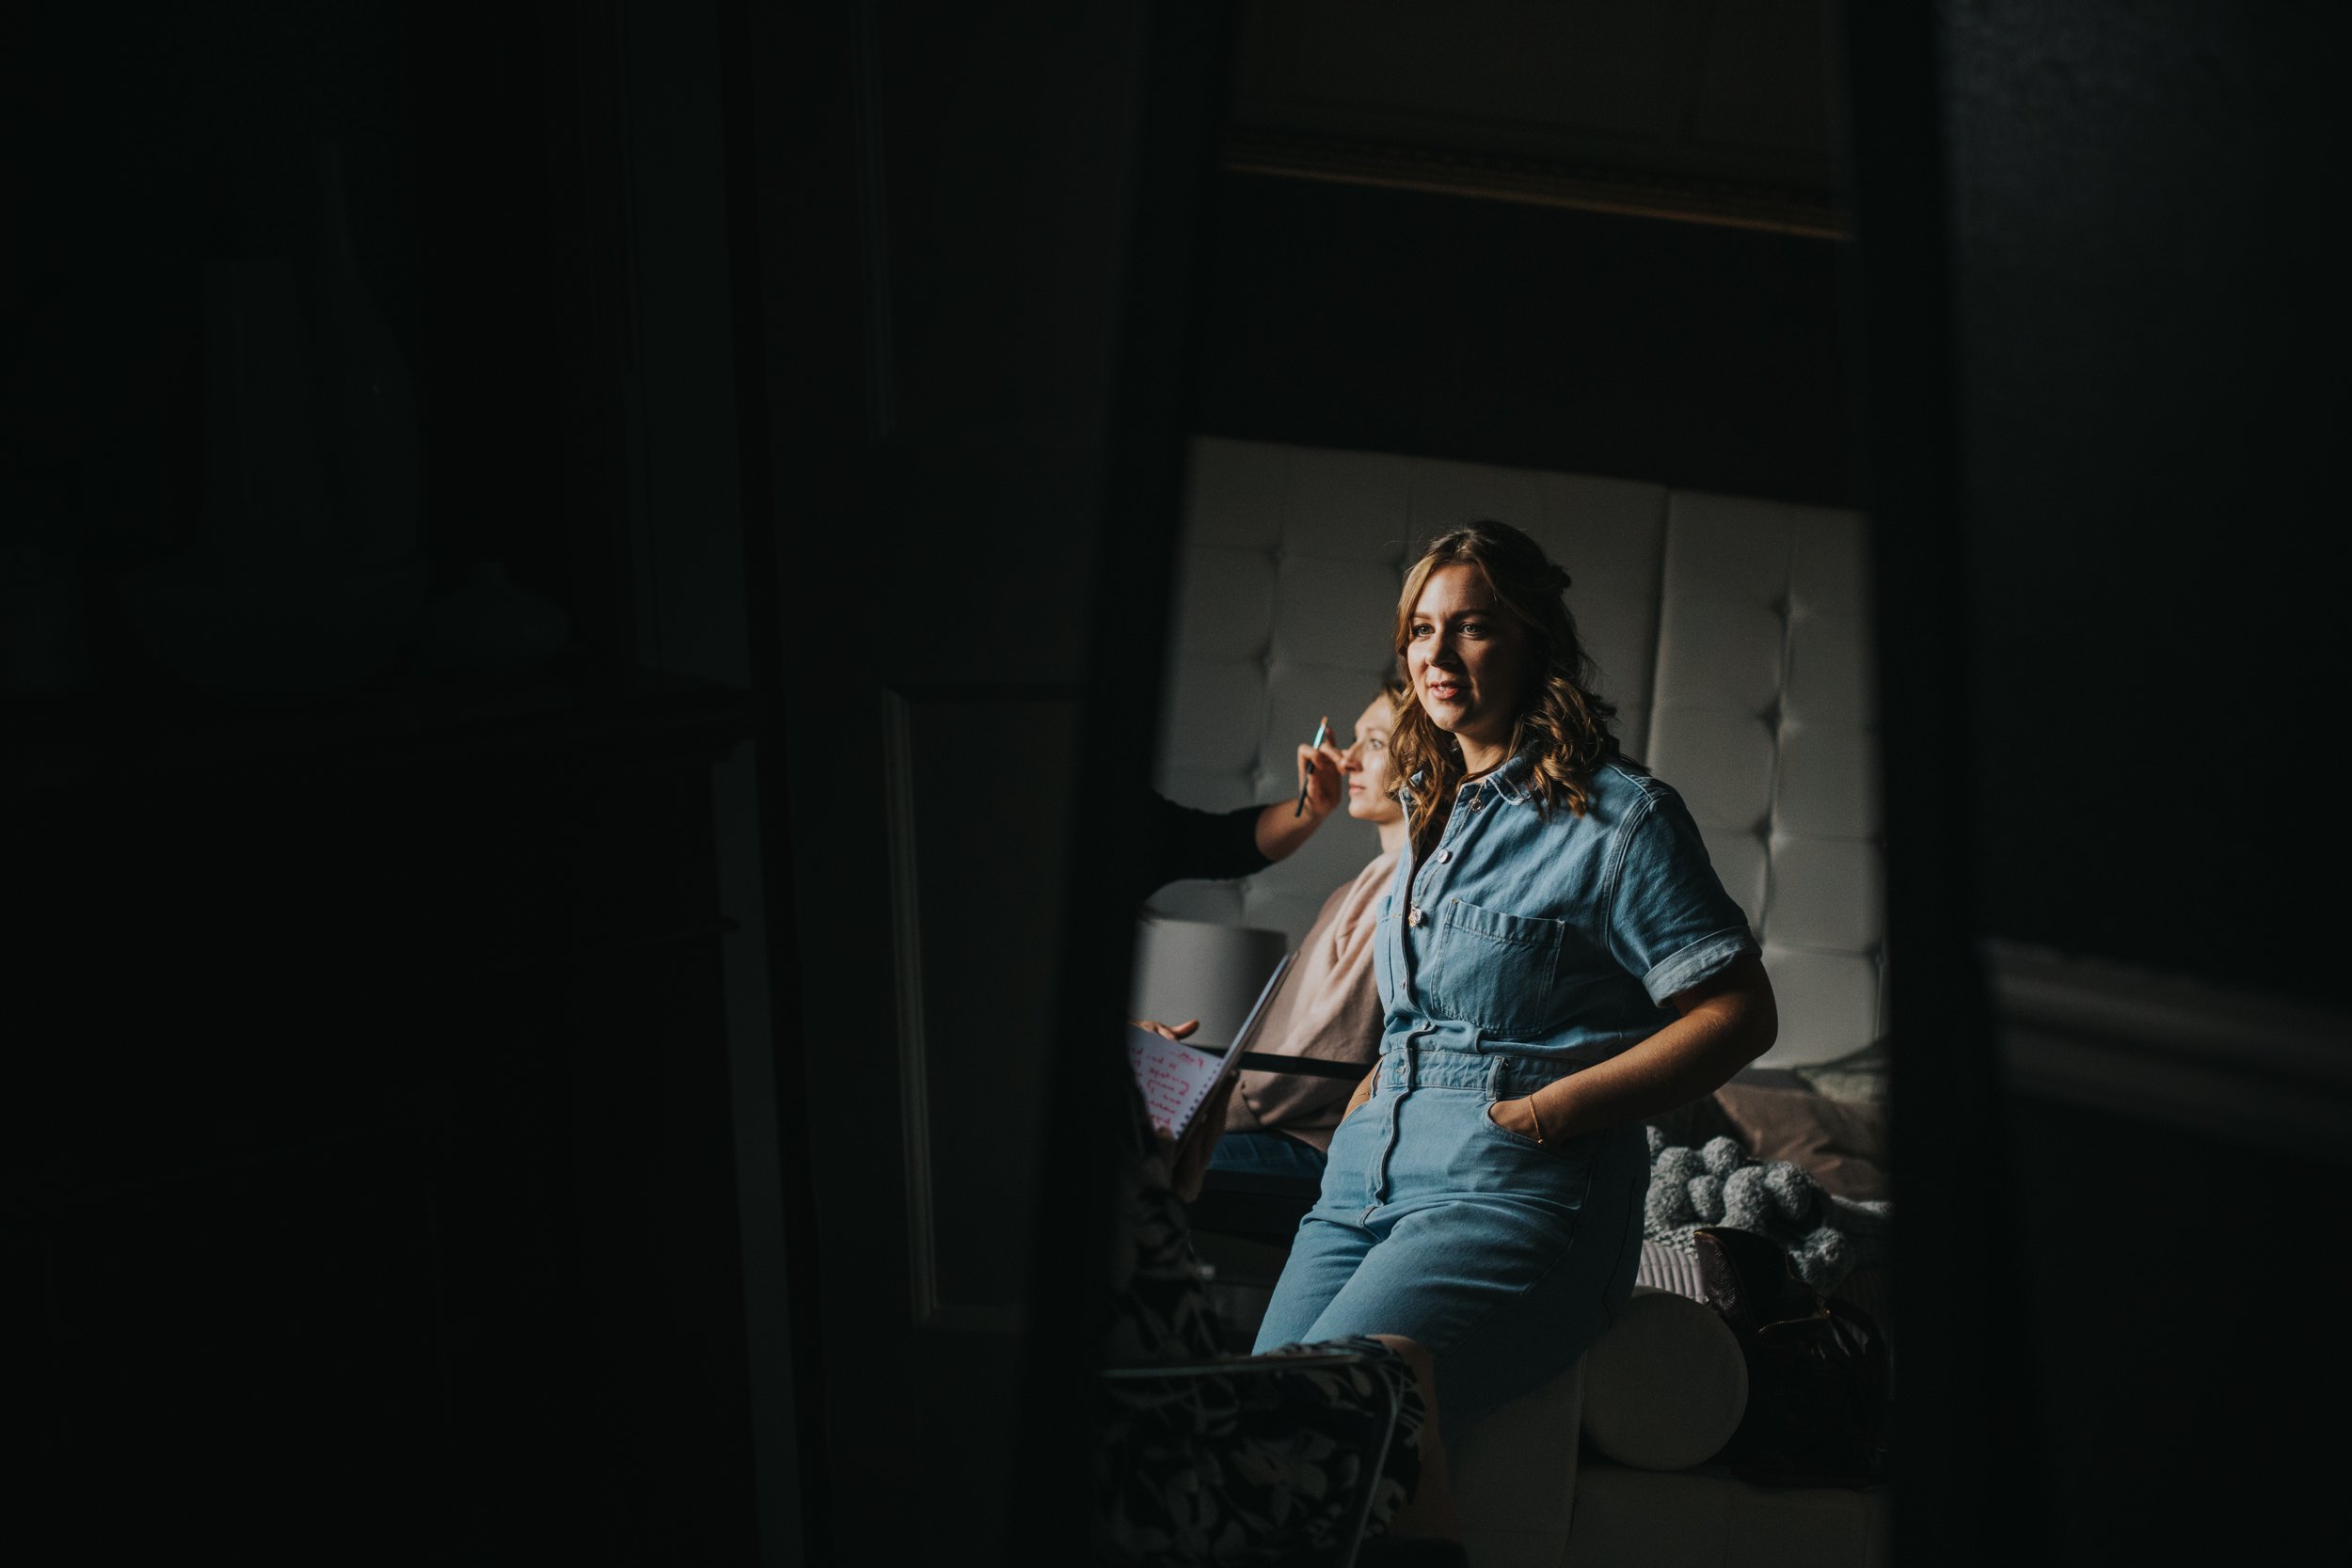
(1732, 634)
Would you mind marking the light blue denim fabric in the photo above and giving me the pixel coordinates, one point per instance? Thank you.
(1544, 943)
(1557, 936)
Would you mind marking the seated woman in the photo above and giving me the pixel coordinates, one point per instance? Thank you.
(1557, 961)
(1327, 1006)
(1266, 1464)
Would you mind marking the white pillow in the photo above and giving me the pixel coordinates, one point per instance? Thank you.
(1665, 1385)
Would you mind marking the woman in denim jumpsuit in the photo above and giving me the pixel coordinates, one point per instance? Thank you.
(1557, 961)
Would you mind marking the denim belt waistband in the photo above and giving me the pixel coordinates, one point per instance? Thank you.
(1448, 1063)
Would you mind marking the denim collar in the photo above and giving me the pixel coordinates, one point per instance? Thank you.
(1509, 782)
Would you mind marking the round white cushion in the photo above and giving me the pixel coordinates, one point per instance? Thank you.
(1665, 1385)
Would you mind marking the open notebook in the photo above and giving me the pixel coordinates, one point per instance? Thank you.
(1177, 1079)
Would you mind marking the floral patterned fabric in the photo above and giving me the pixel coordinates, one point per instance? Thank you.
(1264, 1463)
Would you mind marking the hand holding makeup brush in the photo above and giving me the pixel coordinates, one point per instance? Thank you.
(1283, 826)
(1321, 775)
(1307, 763)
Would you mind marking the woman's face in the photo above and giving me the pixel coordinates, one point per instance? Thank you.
(1368, 798)
(1466, 658)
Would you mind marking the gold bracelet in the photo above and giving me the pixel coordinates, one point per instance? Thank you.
(1533, 1117)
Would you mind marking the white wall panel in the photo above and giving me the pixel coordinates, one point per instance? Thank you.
(1826, 894)
(1726, 547)
(1225, 604)
(1828, 782)
(1447, 495)
(1208, 788)
(1743, 867)
(1610, 535)
(1721, 762)
(1233, 494)
(1720, 653)
(1213, 716)
(1830, 669)
(1608, 532)
(1349, 505)
(1827, 1003)
(1335, 612)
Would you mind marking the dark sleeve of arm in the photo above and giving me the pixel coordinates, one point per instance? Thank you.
(1188, 843)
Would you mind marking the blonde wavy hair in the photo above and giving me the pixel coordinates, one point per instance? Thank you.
(1563, 724)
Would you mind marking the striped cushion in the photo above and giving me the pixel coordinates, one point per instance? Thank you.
(1665, 1267)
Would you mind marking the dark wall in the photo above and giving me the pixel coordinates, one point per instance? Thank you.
(144, 142)
(1683, 354)
(2152, 555)
(2187, 1331)
(374, 1180)
(2102, 491)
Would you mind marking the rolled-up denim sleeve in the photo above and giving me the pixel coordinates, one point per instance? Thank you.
(1670, 922)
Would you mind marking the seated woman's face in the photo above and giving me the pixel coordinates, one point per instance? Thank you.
(1465, 657)
(1368, 798)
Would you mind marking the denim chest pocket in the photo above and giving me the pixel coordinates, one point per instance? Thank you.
(1497, 970)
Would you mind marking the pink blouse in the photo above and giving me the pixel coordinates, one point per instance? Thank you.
(1329, 1007)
